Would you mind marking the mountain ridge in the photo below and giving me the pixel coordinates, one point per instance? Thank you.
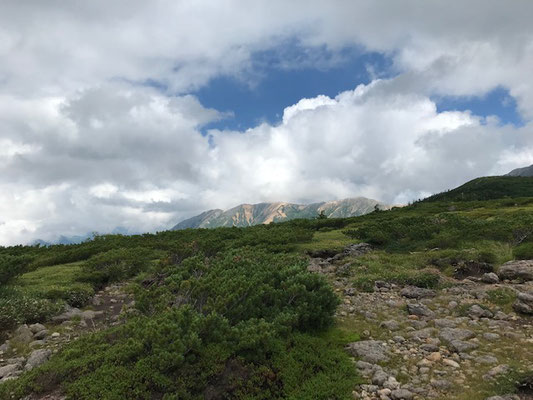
(524, 171)
(267, 212)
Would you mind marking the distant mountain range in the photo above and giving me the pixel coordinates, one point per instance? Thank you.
(265, 213)
(526, 171)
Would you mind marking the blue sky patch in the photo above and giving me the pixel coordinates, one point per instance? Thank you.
(496, 102)
(276, 82)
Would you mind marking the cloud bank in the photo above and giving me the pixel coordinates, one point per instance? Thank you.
(98, 129)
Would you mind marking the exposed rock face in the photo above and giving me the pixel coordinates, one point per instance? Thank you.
(265, 213)
(520, 269)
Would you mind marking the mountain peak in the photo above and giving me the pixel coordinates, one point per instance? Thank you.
(265, 213)
(526, 171)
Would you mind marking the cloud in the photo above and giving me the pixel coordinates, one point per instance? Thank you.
(98, 128)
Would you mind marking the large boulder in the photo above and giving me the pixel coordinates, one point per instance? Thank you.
(37, 357)
(23, 334)
(519, 269)
(524, 303)
(372, 351)
(451, 334)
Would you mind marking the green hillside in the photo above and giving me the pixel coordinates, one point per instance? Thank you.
(488, 188)
(235, 313)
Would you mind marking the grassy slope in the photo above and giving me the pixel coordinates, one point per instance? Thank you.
(413, 244)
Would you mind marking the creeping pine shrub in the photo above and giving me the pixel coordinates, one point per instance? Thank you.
(115, 265)
(12, 265)
(20, 309)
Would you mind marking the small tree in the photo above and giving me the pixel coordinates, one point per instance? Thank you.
(322, 215)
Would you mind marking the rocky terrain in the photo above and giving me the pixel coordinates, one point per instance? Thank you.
(31, 345)
(435, 344)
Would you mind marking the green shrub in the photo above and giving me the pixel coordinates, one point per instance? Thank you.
(524, 251)
(20, 309)
(115, 265)
(12, 265)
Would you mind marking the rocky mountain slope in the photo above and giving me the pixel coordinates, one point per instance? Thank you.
(265, 213)
(526, 171)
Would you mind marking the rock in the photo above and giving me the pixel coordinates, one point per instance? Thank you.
(391, 325)
(55, 335)
(499, 370)
(413, 292)
(23, 334)
(37, 343)
(89, 314)
(524, 303)
(398, 339)
(450, 334)
(400, 394)
(9, 370)
(472, 268)
(423, 333)
(490, 277)
(364, 365)
(420, 310)
(519, 269)
(40, 335)
(429, 347)
(5, 347)
(379, 378)
(37, 328)
(372, 351)
(491, 336)
(478, 312)
(451, 363)
(461, 346)
(441, 384)
(37, 357)
(487, 359)
(435, 356)
(70, 313)
(445, 323)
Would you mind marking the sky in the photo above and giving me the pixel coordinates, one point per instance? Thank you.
(138, 114)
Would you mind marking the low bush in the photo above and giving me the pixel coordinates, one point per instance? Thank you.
(115, 265)
(20, 309)
(524, 251)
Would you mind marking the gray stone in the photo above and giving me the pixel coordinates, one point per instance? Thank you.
(23, 334)
(372, 351)
(37, 357)
(391, 325)
(445, 323)
(379, 378)
(9, 370)
(441, 384)
(37, 328)
(70, 313)
(451, 334)
(524, 303)
(478, 312)
(430, 348)
(420, 310)
(37, 343)
(461, 346)
(5, 347)
(487, 359)
(520, 269)
(400, 394)
(423, 333)
(40, 335)
(413, 292)
(491, 336)
(490, 277)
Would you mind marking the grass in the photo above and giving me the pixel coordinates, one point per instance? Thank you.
(46, 279)
(333, 240)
